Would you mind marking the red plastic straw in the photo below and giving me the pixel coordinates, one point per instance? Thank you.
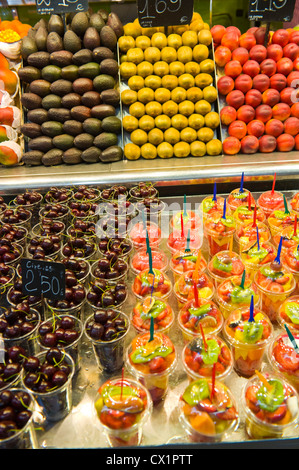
(195, 293)
(213, 380)
(203, 337)
(249, 201)
(273, 185)
(254, 217)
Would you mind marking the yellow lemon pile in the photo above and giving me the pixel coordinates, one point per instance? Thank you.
(170, 94)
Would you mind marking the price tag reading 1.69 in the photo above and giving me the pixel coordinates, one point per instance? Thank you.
(153, 13)
(43, 278)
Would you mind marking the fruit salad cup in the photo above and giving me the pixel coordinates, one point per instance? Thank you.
(152, 362)
(203, 316)
(208, 413)
(275, 284)
(238, 198)
(157, 284)
(224, 265)
(200, 355)
(270, 201)
(140, 260)
(123, 407)
(137, 235)
(290, 260)
(279, 220)
(177, 241)
(152, 307)
(184, 287)
(289, 239)
(183, 261)
(270, 408)
(191, 220)
(246, 235)
(219, 232)
(231, 295)
(289, 314)
(284, 359)
(210, 207)
(245, 215)
(256, 257)
(248, 339)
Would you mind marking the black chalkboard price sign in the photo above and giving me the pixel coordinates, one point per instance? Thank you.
(43, 278)
(271, 10)
(153, 13)
(60, 6)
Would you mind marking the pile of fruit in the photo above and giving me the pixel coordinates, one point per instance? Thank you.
(259, 77)
(71, 95)
(168, 93)
(11, 140)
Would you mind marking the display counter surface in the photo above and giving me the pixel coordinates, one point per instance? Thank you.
(163, 172)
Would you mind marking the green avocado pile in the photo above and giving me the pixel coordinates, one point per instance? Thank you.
(71, 92)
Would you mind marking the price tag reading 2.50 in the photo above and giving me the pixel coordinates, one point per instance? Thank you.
(153, 13)
(43, 278)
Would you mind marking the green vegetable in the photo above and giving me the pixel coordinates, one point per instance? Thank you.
(270, 400)
(292, 311)
(198, 312)
(210, 356)
(196, 392)
(239, 295)
(142, 355)
(222, 266)
(252, 332)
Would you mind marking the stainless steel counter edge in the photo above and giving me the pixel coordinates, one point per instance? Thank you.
(166, 172)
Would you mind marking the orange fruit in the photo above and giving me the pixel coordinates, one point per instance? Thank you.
(127, 69)
(132, 151)
(125, 43)
(136, 82)
(145, 95)
(137, 109)
(186, 81)
(179, 121)
(196, 121)
(169, 81)
(190, 38)
(143, 42)
(174, 40)
(152, 54)
(198, 149)
(161, 68)
(130, 123)
(205, 134)
(135, 55)
(168, 54)
(162, 122)
(159, 40)
(186, 108)
(170, 108)
(178, 94)
(139, 137)
(184, 54)
(214, 147)
(188, 135)
(165, 150)
(144, 69)
(148, 151)
(155, 136)
(181, 149)
(176, 68)
(172, 135)
(153, 108)
(162, 95)
(153, 82)
(146, 123)
(128, 97)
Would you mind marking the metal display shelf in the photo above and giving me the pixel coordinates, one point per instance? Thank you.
(172, 172)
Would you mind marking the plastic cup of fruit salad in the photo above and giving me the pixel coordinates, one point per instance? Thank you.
(231, 295)
(288, 314)
(152, 307)
(294, 202)
(195, 316)
(123, 406)
(289, 239)
(208, 413)
(256, 257)
(245, 215)
(156, 283)
(152, 361)
(138, 235)
(219, 232)
(246, 235)
(270, 408)
(238, 198)
(275, 284)
(140, 260)
(248, 339)
(224, 265)
(178, 241)
(210, 206)
(200, 356)
(184, 287)
(270, 201)
(183, 261)
(191, 220)
(284, 359)
(279, 220)
(290, 261)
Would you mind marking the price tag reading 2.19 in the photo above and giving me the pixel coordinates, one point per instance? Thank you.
(43, 278)
(153, 13)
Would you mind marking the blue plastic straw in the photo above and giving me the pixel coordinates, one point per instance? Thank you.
(215, 192)
(224, 210)
(277, 259)
(242, 183)
(292, 339)
(251, 317)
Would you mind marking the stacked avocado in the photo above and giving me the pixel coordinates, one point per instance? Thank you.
(70, 90)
